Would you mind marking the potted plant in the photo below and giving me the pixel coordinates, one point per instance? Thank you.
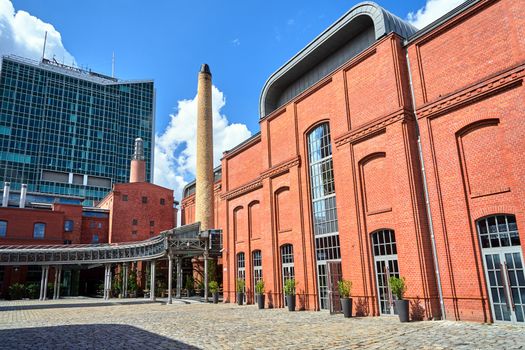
(190, 285)
(259, 291)
(345, 288)
(240, 290)
(289, 291)
(214, 290)
(398, 287)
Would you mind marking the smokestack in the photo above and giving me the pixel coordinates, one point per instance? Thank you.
(23, 194)
(138, 164)
(204, 180)
(5, 198)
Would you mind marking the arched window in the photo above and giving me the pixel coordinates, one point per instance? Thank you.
(498, 231)
(257, 267)
(503, 263)
(241, 270)
(287, 264)
(385, 263)
(324, 212)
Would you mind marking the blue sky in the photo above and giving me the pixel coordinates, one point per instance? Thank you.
(242, 41)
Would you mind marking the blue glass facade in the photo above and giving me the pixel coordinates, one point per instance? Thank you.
(70, 132)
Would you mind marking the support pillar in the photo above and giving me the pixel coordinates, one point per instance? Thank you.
(59, 280)
(179, 277)
(107, 282)
(56, 283)
(124, 280)
(206, 273)
(152, 282)
(43, 283)
(46, 278)
(170, 277)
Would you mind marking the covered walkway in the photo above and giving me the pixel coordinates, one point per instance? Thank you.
(174, 244)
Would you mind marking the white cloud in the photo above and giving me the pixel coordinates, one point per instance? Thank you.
(23, 34)
(432, 10)
(236, 42)
(176, 150)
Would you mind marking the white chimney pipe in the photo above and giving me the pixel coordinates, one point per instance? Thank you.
(23, 193)
(5, 198)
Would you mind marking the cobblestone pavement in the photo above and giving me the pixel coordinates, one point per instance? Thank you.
(135, 324)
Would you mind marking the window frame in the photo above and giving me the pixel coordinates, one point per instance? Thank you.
(43, 224)
(5, 228)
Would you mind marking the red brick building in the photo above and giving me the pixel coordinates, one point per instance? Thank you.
(387, 151)
(130, 212)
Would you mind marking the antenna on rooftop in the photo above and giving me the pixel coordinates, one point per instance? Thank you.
(44, 50)
(113, 66)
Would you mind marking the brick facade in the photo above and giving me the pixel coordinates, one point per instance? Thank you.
(467, 75)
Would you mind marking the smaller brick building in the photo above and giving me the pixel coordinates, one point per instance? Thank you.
(130, 212)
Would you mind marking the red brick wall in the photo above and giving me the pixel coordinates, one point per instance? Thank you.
(20, 224)
(468, 77)
(124, 212)
(468, 83)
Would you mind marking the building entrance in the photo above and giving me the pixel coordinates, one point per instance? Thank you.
(335, 274)
(503, 263)
(385, 261)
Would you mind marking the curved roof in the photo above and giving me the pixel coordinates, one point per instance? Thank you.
(323, 45)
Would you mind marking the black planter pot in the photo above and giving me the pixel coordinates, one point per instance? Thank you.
(216, 297)
(290, 300)
(402, 310)
(240, 298)
(260, 301)
(346, 305)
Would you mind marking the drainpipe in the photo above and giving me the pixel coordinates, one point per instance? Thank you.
(5, 198)
(23, 194)
(425, 187)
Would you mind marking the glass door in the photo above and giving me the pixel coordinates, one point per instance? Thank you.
(503, 263)
(385, 261)
(334, 276)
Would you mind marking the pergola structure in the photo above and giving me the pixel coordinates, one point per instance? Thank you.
(177, 243)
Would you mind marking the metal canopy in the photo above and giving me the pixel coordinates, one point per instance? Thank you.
(184, 241)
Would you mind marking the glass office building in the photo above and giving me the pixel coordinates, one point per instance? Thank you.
(68, 131)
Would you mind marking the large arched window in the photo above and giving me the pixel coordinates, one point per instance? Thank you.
(503, 264)
(324, 212)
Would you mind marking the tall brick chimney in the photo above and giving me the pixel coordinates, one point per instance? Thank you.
(204, 179)
(138, 164)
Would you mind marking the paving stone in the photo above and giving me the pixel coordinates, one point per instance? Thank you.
(85, 323)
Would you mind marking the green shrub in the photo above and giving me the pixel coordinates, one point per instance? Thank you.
(190, 283)
(398, 286)
(239, 286)
(33, 290)
(289, 286)
(345, 288)
(214, 287)
(16, 291)
(259, 287)
(132, 280)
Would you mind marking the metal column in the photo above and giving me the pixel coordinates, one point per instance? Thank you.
(179, 277)
(59, 280)
(107, 283)
(170, 277)
(152, 283)
(125, 280)
(56, 284)
(206, 272)
(43, 283)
